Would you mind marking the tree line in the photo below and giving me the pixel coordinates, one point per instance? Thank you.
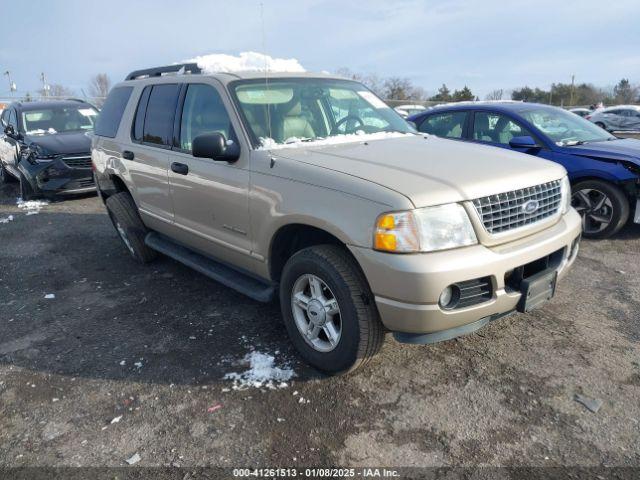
(560, 94)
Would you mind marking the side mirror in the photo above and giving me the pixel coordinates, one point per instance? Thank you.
(215, 147)
(525, 142)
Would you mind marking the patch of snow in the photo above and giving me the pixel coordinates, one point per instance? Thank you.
(50, 296)
(32, 207)
(116, 419)
(7, 219)
(245, 62)
(359, 136)
(138, 364)
(39, 131)
(134, 459)
(262, 373)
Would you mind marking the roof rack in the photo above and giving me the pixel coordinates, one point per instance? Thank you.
(158, 71)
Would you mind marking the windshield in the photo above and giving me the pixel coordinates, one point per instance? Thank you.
(283, 111)
(58, 119)
(565, 128)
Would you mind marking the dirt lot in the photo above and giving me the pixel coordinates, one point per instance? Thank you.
(150, 345)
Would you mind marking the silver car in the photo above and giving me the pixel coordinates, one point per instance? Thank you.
(619, 118)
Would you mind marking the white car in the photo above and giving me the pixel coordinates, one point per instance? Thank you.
(408, 110)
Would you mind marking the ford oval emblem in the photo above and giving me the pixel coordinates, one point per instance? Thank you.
(530, 207)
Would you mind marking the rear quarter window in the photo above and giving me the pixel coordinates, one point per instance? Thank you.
(109, 118)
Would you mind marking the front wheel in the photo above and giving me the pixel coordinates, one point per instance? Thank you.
(329, 310)
(26, 190)
(603, 206)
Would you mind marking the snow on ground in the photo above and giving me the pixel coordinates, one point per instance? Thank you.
(6, 219)
(359, 136)
(32, 207)
(262, 373)
(245, 62)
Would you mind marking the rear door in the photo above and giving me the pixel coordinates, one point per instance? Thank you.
(631, 119)
(210, 198)
(147, 156)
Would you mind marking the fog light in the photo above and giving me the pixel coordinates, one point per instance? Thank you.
(449, 297)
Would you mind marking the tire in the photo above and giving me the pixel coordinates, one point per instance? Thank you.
(602, 126)
(124, 215)
(26, 190)
(587, 196)
(361, 333)
(5, 176)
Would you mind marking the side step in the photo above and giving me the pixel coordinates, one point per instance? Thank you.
(243, 283)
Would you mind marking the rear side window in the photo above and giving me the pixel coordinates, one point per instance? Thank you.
(138, 123)
(158, 119)
(447, 124)
(109, 118)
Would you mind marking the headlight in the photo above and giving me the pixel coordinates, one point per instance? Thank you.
(424, 230)
(37, 154)
(565, 190)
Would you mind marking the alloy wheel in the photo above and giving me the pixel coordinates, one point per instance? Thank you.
(316, 313)
(595, 207)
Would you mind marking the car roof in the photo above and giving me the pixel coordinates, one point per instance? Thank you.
(617, 107)
(501, 106)
(27, 106)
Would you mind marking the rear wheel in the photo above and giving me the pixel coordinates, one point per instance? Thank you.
(127, 222)
(601, 125)
(329, 310)
(603, 206)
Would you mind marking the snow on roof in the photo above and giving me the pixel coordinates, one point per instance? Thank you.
(245, 62)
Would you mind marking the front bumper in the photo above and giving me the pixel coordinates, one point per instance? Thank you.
(407, 287)
(59, 177)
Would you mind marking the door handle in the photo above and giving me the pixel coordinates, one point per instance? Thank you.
(128, 155)
(179, 168)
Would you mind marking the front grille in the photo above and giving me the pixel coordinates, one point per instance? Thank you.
(505, 211)
(473, 292)
(78, 162)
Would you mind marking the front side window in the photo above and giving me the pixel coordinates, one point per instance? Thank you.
(306, 109)
(158, 119)
(59, 119)
(564, 128)
(496, 128)
(446, 124)
(203, 112)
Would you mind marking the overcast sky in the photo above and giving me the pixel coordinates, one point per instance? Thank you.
(484, 44)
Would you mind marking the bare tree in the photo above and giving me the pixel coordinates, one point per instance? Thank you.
(99, 85)
(494, 95)
(56, 90)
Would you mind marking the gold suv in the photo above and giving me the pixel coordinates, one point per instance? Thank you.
(308, 188)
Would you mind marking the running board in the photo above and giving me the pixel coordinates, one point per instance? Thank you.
(224, 274)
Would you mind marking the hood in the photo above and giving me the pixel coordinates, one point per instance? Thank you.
(430, 170)
(624, 149)
(61, 143)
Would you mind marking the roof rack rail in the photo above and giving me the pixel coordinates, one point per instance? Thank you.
(158, 71)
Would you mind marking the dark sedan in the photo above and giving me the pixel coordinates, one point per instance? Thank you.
(604, 170)
(46, 146)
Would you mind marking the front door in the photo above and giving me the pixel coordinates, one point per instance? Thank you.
(210, 198)
(9, 146)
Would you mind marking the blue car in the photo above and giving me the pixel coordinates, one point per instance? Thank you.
(604, 170)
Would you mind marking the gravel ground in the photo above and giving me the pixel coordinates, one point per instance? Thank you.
(150, 346)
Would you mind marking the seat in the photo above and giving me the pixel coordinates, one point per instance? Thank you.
(294, 124)
(481, 130)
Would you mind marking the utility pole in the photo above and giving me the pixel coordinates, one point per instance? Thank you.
(573, 80)
(45, 85)
(12, 84)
